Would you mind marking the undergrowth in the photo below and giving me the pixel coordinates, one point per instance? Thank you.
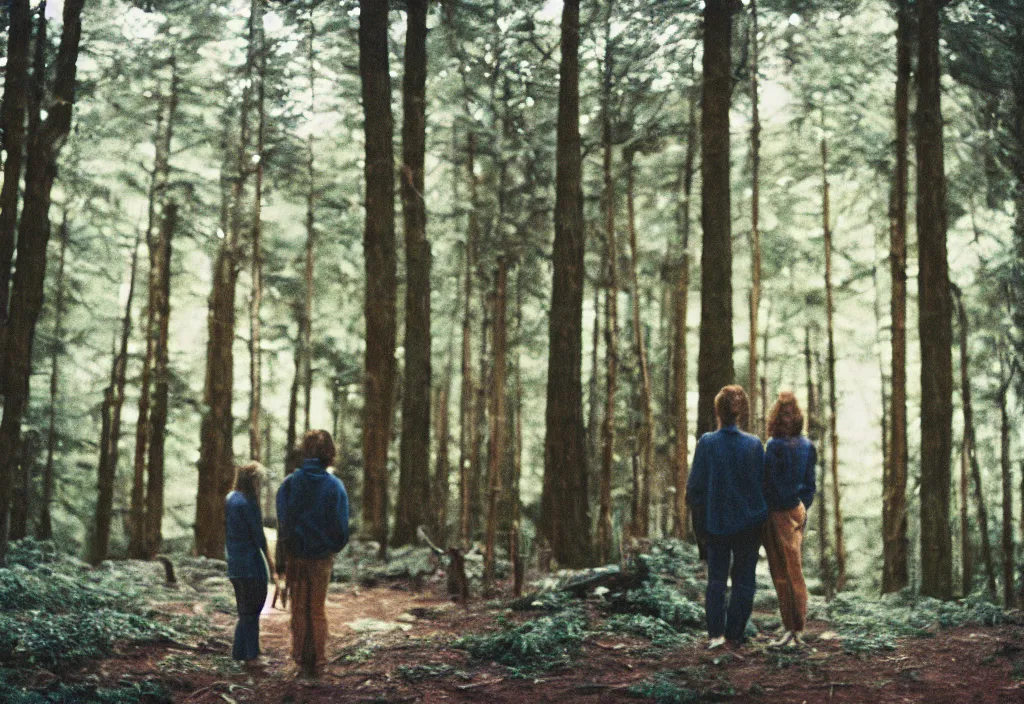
(63, 693)
(55, 612)
(533, 646)
(683, 686)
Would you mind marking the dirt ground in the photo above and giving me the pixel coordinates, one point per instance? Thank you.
(391, 644)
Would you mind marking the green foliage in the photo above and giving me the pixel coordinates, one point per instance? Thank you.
(56, 612)
(652, 628)
(544, 601)
(691, 684)
(533, 646)
(428, 671)
(661, 600)
(62, 693)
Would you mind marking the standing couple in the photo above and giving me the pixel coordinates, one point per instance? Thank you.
(742, 494)
(312, 515)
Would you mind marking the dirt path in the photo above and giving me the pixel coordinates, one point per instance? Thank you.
(412, 661)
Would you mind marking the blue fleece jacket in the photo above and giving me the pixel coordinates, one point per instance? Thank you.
(789, 472)
(245, 541)
(726, 479)
(312, 512)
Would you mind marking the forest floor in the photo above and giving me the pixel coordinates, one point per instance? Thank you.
(398, 639)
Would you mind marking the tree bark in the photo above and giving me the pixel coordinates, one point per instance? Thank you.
(611, 308)
(680, 357)
(466, 413)
(814, 428)
(113, 402)
(1009, 563)
(645, 443)
(714, 360)
(154, 514)
(971, 447)
(894, 482)
(496, 448)
(756, 426)
(12, 123)
(26, 300)
(934, 315)
(257, 75)
(439, 492)
(565, 512)
(306, 318)
(162, 140)
(379, 249)
(966, 550)
(414, 471)
(518, 571)
(837, 514)
(45, 530)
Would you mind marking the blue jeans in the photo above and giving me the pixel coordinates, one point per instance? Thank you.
(250, 595)
(741, 550)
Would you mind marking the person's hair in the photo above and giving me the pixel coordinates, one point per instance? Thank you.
(732, 406)
(249, 478)
(785, 419)
(318, 444)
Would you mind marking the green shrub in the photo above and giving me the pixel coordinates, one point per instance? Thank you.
(63, 693)
(690, 684)
(660, 600)
(533, 646)
(652, 628)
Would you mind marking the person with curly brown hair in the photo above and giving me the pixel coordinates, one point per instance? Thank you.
(312, 513)
(726, 488)
(789, 486)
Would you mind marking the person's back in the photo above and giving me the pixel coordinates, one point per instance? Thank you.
(790, 472)
(733, 496)
(312, 512)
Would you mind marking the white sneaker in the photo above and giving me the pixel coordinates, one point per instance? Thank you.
(798, 638)
(716, 642)
(785, 639)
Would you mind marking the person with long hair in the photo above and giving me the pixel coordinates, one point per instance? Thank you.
(312, 514)
(789, 486)
(249, 562)
(725, 489)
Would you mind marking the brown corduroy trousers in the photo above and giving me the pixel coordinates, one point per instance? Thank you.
(783, 538)
(307, 587)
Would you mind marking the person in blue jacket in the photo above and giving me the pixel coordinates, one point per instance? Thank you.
(249, 561)
(312, 515)
(789, 486)
(725, 488)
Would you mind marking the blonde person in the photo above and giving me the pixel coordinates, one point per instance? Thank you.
(312, 514)
(249, 562)
(789, 486)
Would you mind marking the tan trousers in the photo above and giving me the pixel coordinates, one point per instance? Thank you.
(783, 538)
(307, 587)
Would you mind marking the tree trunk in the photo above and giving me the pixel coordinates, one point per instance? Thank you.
(611, 310)
(138, 523)
(439, 492)
(113, 402)
(257, 75)
(1009, 563)
(565, 512)
(971, 447)
(45, 530)
(466, 413)
(12, 124)
(837, 513)
(478, 507)
(645, 441)
(306, 318)
(379, 248)
(33, 235)
(756, 426)
(680, 357)
(894, 482)
(933, 315)
(517, 460)
(161, 386)
(496, 448)
(414, 474)
(714, 360)
(814, 428)
(966, 550)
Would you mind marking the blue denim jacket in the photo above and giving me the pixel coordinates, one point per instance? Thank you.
(246, 542)
(789, 472)
(726, 479)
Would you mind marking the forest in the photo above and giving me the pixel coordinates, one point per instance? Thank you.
(507, 254)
